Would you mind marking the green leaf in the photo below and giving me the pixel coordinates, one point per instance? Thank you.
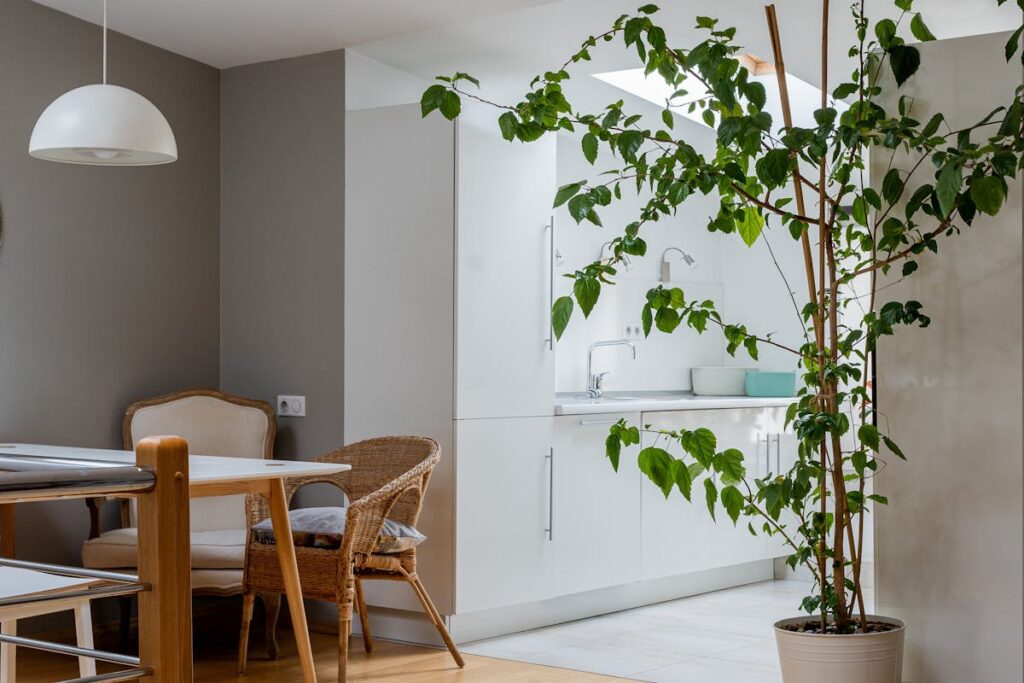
(949, 184)
(885, 31)
(860, 211)
(629, 143)
(508, 123)
(750, 225)
(560, 314)
(844, 90)
(1013, 43)
(647, 319)
(450, 105)
(432, 98)
(590, 145)
(774, 167)
(656, 463)
(919, 29)
(892, 186)
(668, 118)
(701, 444)
(904, 61)
(729, 463)
(988, 194)
(567, 192)
(682, 478)
(904, 4)
(647, 9)
(612, 449)
(667, 319)
(868, 434)
(587, 291)
(733, 502)
(891, 445)
(710, 495)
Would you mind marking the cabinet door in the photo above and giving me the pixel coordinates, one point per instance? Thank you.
(504, 245)
(680, 536)
(597, 510)
(504, 555)
(782, 455)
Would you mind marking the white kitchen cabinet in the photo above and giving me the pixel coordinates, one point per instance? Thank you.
(505, 553)
(504, 271)
(679, 537)
(597, 510)
(783, 442)
(447, 293)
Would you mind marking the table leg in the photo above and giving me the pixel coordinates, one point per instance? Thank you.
(6, 530)
(290, 574)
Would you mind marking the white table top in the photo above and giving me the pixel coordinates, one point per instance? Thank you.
(16, 583)
(203, 469)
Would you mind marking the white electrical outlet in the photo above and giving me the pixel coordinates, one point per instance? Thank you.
(633, 330)
(291, 406)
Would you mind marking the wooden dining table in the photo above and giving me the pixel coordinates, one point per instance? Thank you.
(208, 476)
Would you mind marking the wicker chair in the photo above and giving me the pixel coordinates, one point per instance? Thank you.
(388, 478)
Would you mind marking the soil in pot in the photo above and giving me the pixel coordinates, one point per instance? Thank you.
(814, 626)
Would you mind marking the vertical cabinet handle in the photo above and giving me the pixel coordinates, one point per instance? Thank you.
(778, 453)
(767, 453)
(550, 458)
(550, 228)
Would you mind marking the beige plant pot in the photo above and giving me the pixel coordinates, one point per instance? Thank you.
(856, 658)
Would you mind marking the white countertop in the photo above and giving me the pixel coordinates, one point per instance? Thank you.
(202, 469)
(656, 401)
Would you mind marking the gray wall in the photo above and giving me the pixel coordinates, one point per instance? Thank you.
(282, 241)
(108, 276)
(949, 542)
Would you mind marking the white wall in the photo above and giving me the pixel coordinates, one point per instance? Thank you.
(949, 542)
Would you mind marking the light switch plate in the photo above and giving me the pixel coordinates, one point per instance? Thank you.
(291, 406)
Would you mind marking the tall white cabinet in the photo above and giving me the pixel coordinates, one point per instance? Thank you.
(448, 279)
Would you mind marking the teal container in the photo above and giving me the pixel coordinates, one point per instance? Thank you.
(771, 384)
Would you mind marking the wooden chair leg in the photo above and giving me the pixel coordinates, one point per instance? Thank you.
(344, 631)
(435, 617)
(83, 634)
(272, 607)
(8, 668)
(124, 631)
(248, 600)
(364, 617)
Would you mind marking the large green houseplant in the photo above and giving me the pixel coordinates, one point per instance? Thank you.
(811, 181)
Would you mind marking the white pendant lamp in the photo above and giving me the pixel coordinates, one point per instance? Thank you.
(103, 125)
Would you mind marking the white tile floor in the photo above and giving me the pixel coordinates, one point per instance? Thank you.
(718, 637)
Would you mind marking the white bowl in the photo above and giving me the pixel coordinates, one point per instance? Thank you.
(719, 381)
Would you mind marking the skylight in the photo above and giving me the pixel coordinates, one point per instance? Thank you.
(804, 98)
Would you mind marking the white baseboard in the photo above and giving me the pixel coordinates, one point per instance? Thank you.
(414, 627)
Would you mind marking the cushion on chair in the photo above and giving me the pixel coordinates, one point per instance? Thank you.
(118, 549)
(324, 528)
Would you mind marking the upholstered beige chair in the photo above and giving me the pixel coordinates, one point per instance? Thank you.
(213, 423)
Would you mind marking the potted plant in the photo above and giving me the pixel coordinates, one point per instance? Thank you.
(810, 183)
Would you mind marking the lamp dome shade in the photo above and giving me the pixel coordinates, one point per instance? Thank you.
(103, 125)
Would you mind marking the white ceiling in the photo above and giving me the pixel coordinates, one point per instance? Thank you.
(492, 38)
(225, 33)
(504, 52)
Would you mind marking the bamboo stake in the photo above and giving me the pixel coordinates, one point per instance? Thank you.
(787, 119)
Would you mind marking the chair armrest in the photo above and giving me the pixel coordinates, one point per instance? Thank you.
(96, 504)
(366, 516)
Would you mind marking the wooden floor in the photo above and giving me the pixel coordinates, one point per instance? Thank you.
(215, 662)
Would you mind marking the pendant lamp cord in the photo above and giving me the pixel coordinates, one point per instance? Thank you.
(104, 42)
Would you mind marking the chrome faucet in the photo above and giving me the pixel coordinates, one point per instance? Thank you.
(594, 382)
